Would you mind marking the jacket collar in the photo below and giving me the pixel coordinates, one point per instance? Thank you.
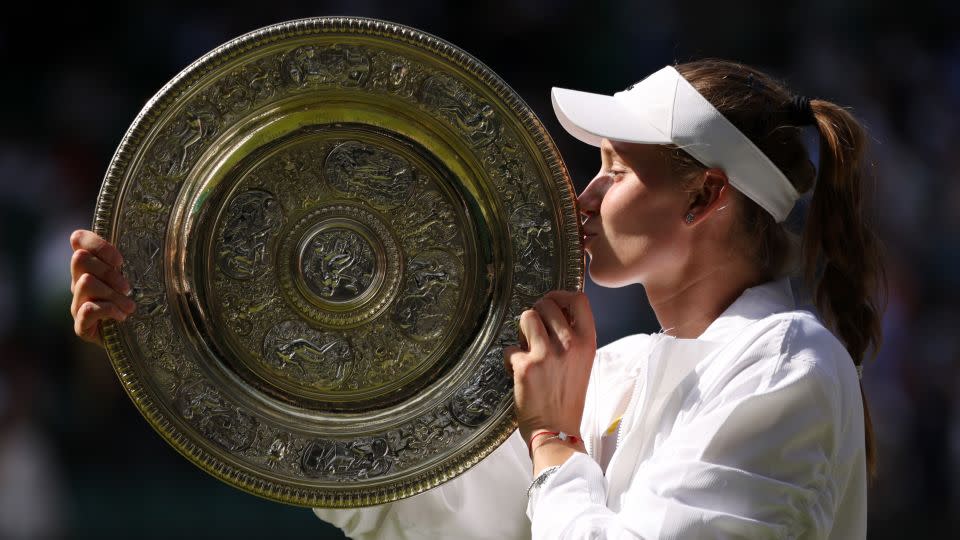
(753, 304)
(671, 359)
(664, 361)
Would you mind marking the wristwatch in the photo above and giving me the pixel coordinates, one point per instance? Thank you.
(542, 478)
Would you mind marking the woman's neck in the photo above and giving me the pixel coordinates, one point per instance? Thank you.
(685, 307)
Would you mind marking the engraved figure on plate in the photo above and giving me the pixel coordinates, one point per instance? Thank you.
(431, 222)
(427, 301)
(475, 117)
(243, 247)
(144, 248)
(311, 65)
(338, 264)
(203, 406)
(173, 153)
(475, 402)
(321, 360)
(533, 246)
(375, 173)
(425, 435)
(356, 460)
(394, 74)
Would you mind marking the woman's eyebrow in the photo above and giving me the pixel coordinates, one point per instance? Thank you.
(607, 153)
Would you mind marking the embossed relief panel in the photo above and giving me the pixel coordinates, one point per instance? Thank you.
(331, 226)
(338, 208)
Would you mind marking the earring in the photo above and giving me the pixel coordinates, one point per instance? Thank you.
(689, 218)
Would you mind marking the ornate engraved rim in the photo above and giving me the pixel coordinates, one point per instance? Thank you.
(106, 214)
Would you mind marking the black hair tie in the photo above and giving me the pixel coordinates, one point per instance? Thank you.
(800, 112)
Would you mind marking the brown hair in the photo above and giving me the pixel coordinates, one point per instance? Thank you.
(840, 254)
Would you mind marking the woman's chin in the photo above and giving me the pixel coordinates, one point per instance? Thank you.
(609, 277)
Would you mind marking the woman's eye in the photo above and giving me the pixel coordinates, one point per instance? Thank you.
(617, 173)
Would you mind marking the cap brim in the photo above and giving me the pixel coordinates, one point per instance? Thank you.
(594, 117)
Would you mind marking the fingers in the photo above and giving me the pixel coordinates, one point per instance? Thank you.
(95, 244)
(98, 286)
(89, 315)
(84, 262)
(536, 334)
(555, 320)
(521, 337)
(559, 317)
(509, 353)
(577, 307)
(89, 287)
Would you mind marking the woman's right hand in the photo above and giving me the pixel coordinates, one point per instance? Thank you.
(97, 283)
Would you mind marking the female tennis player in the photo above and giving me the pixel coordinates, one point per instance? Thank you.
(743, 417)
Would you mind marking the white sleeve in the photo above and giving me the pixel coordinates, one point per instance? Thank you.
(754, 461)
(487, 501)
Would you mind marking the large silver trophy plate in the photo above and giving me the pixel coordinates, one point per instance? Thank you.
(331, 226)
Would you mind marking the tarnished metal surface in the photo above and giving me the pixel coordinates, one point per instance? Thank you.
(331, 226)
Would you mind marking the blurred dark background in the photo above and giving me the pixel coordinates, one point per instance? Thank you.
(78, 461)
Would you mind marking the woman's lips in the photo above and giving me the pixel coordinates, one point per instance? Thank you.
(585, 234)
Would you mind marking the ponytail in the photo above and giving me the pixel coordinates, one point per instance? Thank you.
(841, 254)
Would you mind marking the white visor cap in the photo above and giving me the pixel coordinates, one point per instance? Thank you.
(666, 109)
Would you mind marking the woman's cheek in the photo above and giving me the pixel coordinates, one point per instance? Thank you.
(615, 262)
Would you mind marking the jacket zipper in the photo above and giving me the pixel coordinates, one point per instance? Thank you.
(638, 404)
(590, 441)
(635, 397)
(628, 413)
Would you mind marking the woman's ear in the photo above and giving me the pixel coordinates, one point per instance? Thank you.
(709, 195)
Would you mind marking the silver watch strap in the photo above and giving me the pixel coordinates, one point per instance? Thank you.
(541, 478)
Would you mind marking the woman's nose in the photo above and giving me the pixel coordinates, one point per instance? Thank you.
(586, 211)
(591, 196)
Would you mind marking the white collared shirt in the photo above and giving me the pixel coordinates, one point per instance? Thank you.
(752, 430)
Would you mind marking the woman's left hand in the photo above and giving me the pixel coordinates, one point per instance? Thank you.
(551, 373)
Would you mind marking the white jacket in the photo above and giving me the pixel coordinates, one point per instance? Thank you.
(752, 430)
